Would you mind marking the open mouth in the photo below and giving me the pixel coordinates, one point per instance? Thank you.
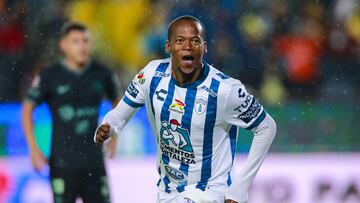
(188, 59)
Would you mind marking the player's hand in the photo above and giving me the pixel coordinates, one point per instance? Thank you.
(38, 159)
(230, 201)
(102, 133)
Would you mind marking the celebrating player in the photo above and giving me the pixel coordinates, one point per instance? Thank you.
(73, 88)
(207, 107)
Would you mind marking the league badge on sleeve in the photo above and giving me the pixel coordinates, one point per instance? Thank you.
(200, 105)
(140, 78)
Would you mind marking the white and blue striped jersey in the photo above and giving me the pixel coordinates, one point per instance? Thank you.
(195, 124)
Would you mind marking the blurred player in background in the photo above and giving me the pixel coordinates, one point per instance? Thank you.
(194, 110)
(74, 89)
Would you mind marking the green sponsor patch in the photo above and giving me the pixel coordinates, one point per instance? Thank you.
(58, 186)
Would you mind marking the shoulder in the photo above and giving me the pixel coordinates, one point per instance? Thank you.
(156, 65)
(155, 68)
(99, 67)
(226, 83)
(50, 71)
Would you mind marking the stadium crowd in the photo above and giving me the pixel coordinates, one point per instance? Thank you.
(285, 51)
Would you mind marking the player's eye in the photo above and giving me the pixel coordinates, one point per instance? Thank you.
(196, 41)
(179, 41)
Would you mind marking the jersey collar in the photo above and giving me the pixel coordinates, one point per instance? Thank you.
(201, 79)
(79, 72)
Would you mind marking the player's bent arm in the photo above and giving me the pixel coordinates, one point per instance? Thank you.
(264, 134)
(116, 119)
(111, 146)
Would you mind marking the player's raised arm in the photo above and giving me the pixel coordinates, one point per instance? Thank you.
(116, 119)
(244, 110)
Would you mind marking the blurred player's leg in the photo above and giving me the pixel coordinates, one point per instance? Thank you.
(95, 186)
(65, 185)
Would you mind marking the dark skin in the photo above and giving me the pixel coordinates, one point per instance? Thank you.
(102, 133)
(230, 201)
(187, 46)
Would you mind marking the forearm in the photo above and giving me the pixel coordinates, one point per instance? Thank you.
(118, 117)
(28, 125)
(263, 137)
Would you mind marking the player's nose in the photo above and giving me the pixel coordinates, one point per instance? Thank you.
(187, 45)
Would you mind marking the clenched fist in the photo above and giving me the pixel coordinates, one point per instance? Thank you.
(102, 133)
(230, 201)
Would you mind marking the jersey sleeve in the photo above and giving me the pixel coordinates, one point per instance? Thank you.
(135, 93)
(112, 86)
(127, 106)
(242, 109)
(39, 90)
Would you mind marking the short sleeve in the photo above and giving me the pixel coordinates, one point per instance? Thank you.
(135, 92)
(242, 109)
(112, 86)
(39, 90)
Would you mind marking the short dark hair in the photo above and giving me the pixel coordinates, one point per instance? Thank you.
(71, 26)
(185, 17)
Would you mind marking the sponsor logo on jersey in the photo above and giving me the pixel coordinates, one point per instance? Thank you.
(160, 94)
(66, 113)
(188, 200)
(178, 107)
(62, 89)
(244, 104)
(175, 142)
(222, 75)
(81, 127)
(97, 86)
(140, 78)
(132, 90)
(251, 112)
(210, 91)
(161, 74)
(200, 105)
(175, 174)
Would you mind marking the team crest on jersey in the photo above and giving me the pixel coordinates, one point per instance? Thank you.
(140, 78)
(178, 106)
(200, 105)
(175, 142)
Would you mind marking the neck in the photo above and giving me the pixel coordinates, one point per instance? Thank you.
(183, 78)
(72, 65)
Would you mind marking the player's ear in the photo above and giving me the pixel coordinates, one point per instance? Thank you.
(167, 46)
(205, 47)
(62, 45)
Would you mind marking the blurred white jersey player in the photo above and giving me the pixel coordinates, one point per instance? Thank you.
(195, 125)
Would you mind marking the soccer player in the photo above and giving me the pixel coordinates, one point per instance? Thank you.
(73, 88)
(186, 95)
